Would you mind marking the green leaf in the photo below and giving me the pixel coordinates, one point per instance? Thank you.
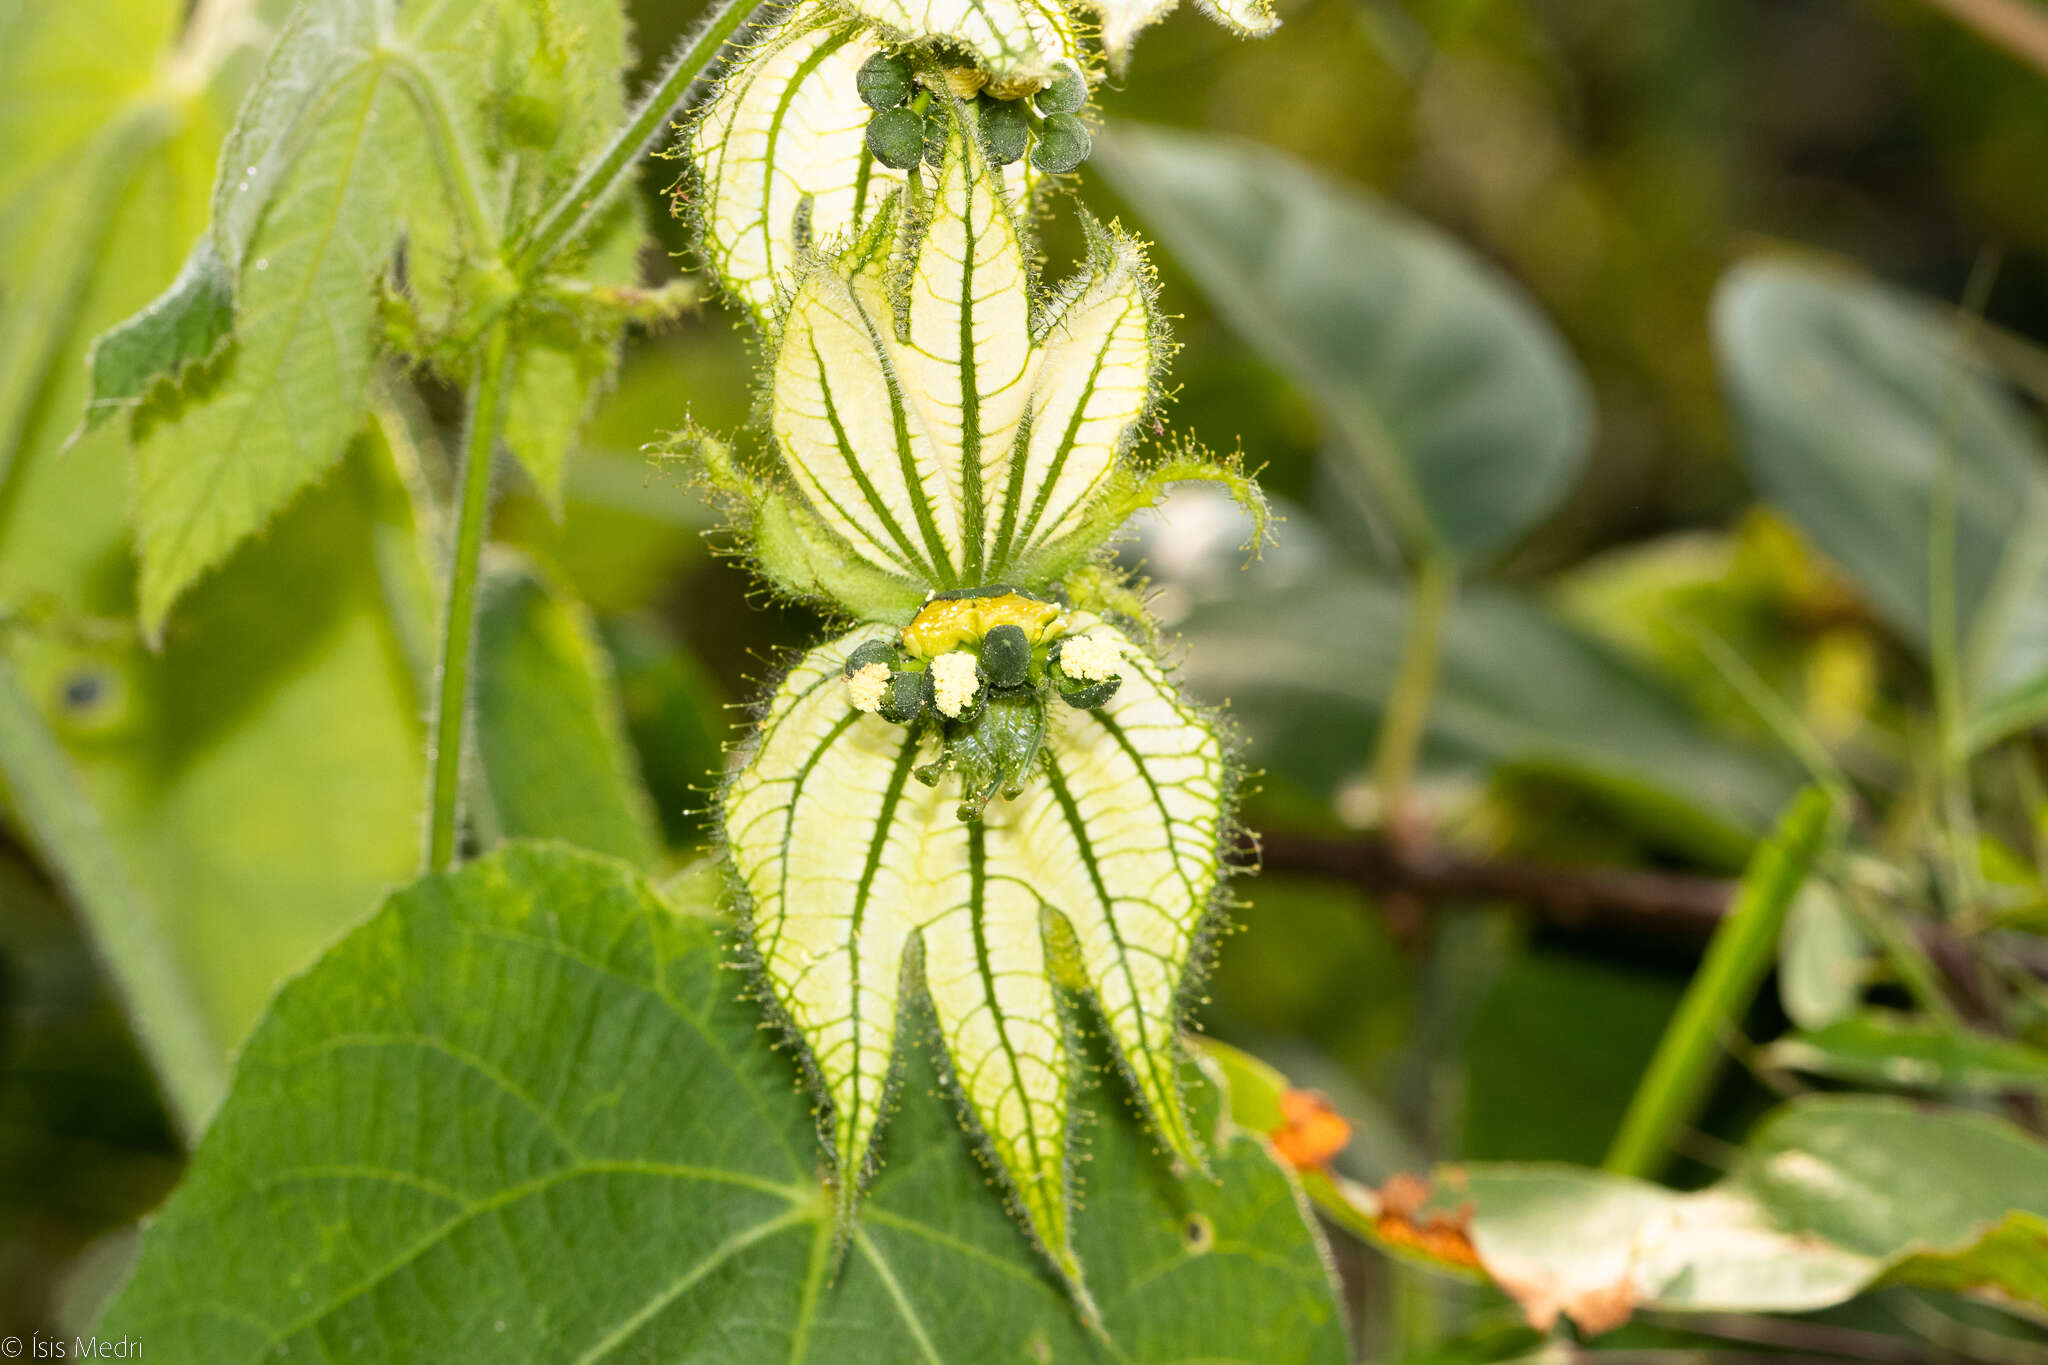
(1462, 412)
(859, 882)
(1308, 666)
(1832, 1196)
(1823, 958)
(181, 751)
(1851, 396)
(523, 1106)
(185, 326)
(676, 713)
(1881, 1048)
(548, 728)
(305, 216)
(177, 754)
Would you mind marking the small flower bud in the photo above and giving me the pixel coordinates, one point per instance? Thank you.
(896, 138)
(1006, 656)
(873, 652)
(905, 698)
(1005, 131)
(883, 81)
(1067, 93)
(1063, 144)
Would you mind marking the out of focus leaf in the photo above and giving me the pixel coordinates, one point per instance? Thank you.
(1465, 414)
(1306, 669)
(615, 1161)
(676, 716)
(1851, 397)
(548, 729)
(1885, 1049)
(286, 664)
(1823, 958)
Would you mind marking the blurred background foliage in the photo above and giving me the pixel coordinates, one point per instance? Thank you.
(1713, 592)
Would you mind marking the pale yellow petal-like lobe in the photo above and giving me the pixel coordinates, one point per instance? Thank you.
(836, 845)
(966, 363)
(1013, 40)
(781, 156)
(1123, 835)
(992, 993)
(845, 857)
(840, 422)
(1093, 381)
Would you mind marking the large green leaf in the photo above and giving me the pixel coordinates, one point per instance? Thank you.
(522, 1112)
(1465, 415)
(1307, 667)
(1852, 396)
(549, 731)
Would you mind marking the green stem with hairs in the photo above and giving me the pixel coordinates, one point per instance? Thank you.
(458, 621)
(1739, 956)
(572, 212)
(1406, 718)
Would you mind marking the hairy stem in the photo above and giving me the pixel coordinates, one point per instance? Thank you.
(1738, 957)
(458, 622)
(1406, 718)
(571, 214)
(71, 842)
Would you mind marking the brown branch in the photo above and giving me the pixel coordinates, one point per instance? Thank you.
(1625, 901)
(1655, 904)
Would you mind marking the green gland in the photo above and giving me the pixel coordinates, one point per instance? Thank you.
(1063, 144)
(884, 81)
(1067, 93)
(896, 138)
(1005, 130)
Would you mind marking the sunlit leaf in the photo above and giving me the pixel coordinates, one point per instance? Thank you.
(864, 886)
(1463, 416)
(521, 1111)
(1020, 42)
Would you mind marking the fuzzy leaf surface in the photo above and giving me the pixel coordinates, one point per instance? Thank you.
(522, 1106)
(864, 885)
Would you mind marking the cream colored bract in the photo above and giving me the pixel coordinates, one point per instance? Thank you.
(933, 426)
(852, 868)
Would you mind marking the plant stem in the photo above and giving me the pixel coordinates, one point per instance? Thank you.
(1738, 957)
(1406, 718)
(565, 221)
(458, 622)
(66, 830)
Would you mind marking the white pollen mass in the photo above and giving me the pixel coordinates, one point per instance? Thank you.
(864, 687)
(1092, 658)
(954, 682)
